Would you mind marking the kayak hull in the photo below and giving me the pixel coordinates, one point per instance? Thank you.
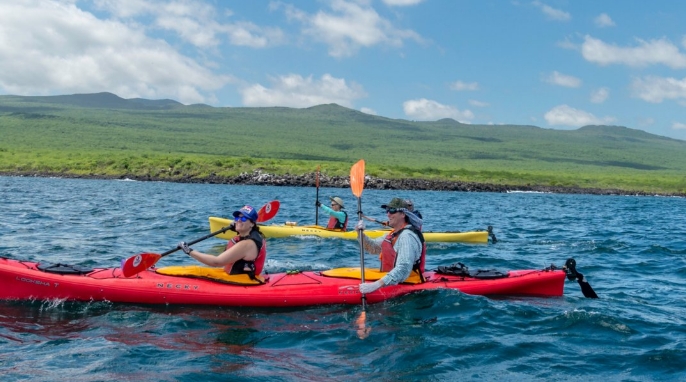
(284, 230)
(22, 280)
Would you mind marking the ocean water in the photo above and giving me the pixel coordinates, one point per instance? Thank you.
(631, 249)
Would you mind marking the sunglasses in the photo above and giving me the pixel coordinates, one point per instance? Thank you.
(392, 210)
(241, 219)
(334, 204)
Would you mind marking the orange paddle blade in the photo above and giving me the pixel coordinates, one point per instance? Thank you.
(137, 264)
(362, 329)
(268, 211)
(357, 178)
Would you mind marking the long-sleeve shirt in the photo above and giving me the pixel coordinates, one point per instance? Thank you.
(408, 249)
(340, 215)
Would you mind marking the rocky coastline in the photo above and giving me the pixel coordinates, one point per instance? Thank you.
(259, 177)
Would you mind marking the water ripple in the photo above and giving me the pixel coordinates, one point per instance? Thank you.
(631, 249)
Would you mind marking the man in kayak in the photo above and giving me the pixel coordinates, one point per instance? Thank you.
(402, 251)
(338, 219)
(245, 253)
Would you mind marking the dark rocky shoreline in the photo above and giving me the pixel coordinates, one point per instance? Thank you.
(258, 177)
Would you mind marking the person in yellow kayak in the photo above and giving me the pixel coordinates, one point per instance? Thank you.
(338, 219)
(245, 253)
(402, 251)
(410, 207)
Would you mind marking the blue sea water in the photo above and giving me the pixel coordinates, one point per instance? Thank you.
(631, 249)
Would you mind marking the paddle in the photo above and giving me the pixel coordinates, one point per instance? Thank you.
(138, 263)
(385, 224)
(316, 206)
(268, 211)
(357, 186)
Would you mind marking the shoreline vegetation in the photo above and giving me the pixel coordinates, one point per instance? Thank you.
(103, 136)
(261, 178)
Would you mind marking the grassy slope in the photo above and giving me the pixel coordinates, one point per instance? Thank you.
(104, 134)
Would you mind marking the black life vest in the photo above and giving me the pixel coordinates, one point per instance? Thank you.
(253, 267)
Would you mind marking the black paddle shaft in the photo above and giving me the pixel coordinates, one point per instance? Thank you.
(215, 233)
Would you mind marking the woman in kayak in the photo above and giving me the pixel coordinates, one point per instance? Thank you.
(338, 219)
(245, 253)
(402, 251)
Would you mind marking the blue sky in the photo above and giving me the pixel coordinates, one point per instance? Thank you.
(556, 64)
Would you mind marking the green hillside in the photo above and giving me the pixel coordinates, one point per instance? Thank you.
(102, 134)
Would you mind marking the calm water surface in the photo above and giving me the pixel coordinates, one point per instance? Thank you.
(631, 249)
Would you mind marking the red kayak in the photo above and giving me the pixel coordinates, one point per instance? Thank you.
(26, 280)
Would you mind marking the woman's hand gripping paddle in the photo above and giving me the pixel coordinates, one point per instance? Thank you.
(138, 263)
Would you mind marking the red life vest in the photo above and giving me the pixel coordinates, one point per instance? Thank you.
(335, 224)
(254, 267)
(389, 256)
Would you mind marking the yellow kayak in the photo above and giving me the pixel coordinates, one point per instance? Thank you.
(292, 229)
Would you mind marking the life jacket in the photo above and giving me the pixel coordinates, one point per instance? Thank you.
(389, 256)
(336, 224)
(252, 268)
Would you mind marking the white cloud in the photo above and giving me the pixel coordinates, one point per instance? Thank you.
(603, 20)
(564, 115)
(401, 3)
(651, 52)
(557, 78)
(195, 22)
(293, 90)
(600, 95)
(678, 126)
(429, 110)
(350, 26)
(552, 13)
(367, 110)
(476, 103)
(656, 89)
(462, 86)
(46, 45)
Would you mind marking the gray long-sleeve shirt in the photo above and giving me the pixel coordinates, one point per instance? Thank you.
(408, 248)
